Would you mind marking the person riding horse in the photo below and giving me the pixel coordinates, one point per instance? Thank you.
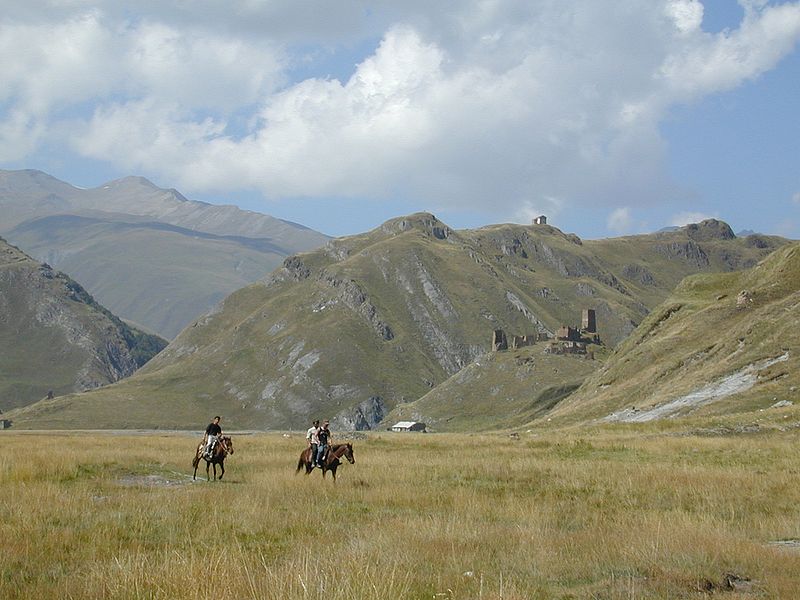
(323, 436)
(332, 462)
(222, 449)
(213, 432)
(312, 439)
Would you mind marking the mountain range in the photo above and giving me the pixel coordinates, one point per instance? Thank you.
(150, 255)
(373, 323)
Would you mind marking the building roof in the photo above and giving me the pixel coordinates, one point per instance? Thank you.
(404, 424)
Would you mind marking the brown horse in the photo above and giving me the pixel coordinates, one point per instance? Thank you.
(223, 447)
(331, 462)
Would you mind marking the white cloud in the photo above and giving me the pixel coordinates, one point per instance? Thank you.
(620, 220)
(685, 218)
(688, 14)
(506, 104)
(796, 197)
(706, 63)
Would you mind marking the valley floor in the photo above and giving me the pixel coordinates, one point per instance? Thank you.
(616, 512)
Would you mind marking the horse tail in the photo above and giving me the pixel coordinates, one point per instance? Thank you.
(301, 462)
(197, 456)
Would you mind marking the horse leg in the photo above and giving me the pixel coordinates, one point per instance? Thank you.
(208, 474)
(333, 472)
(195, 462)
(222, 466)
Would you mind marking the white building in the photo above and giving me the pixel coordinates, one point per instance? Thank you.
(408, 426)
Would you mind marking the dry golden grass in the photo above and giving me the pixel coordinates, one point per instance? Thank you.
(418, 516)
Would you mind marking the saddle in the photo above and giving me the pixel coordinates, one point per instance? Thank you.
(201, 453)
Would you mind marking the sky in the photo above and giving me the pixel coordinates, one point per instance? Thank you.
(610, 117)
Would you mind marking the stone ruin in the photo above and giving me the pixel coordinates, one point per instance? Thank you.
(573, 340)
(567, 333)
(568, 339)
(567, 347)
(744, 299)
(501, 341)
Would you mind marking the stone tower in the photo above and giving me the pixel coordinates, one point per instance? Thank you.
(589, 321)
(499, 340)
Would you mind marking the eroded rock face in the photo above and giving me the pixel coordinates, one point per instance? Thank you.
(688, 251)
(295, 266)
(639, 274)
(362, 417)
(354, 297)
(107, 356)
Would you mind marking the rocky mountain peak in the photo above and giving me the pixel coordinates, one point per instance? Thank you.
(422, 221)
(710, 229)
(132, 181)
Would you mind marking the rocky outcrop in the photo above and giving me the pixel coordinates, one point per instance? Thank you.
(688, 251)
(296, 268)
(639, 274)
(434, 293)
(361, 417)
(710, 229)
(424, 222)
(351, 294)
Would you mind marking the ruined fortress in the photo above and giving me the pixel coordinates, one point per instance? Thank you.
(567, 340)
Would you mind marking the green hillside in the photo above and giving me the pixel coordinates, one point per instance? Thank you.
(500, 390)
(55, 337)
(373, 321)
(720, 344)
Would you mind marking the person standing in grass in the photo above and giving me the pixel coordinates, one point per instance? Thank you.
(213, 431)
(312, 438)
(323, 436)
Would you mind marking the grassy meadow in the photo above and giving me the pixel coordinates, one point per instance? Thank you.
(618, 512)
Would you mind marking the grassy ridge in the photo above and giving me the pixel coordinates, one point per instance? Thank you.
(702, 335)
(597, 513)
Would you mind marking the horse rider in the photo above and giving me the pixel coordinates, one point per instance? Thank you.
(313, 441)
(213, 432)
(324, 436)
